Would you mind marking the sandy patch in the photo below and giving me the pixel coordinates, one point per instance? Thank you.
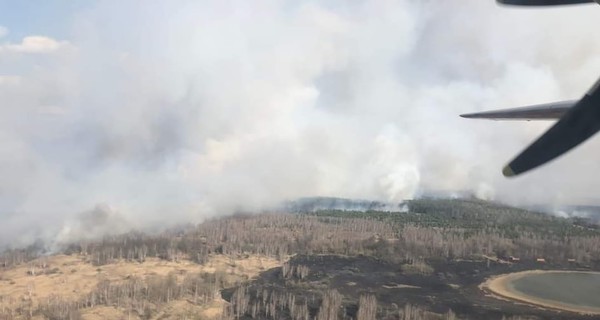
(214, 309)
(102, 312)
(70, 277)
(499, 285)
(179, 309)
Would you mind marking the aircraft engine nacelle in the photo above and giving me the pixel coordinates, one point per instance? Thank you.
(544, 2)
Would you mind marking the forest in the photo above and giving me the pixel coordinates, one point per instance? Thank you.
(432, 232)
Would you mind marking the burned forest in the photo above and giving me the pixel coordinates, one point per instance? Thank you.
(425, 262)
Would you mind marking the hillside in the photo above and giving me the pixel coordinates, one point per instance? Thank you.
(426, 262)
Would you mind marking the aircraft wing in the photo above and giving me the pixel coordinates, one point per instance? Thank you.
(578, 124)
(545, 111)
(578, 120)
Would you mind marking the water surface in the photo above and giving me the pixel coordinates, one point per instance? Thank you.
(573, 288)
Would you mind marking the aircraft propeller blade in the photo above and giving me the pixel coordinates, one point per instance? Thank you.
(577, 125)
(542, 2)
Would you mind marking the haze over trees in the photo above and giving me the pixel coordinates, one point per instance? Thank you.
(431, 229)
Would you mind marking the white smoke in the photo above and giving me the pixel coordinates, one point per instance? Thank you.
(176, 111)
(92, 224)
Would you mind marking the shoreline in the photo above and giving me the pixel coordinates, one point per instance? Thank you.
(500, 287)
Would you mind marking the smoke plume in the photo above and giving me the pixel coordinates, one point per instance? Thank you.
(148, 114)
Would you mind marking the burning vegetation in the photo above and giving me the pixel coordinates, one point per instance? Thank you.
(328, 264)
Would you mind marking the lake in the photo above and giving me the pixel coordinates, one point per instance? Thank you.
(573, 289)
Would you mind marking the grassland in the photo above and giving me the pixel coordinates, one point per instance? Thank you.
(69, 277)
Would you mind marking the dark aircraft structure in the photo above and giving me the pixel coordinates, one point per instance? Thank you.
(578, 119)
(544, 2)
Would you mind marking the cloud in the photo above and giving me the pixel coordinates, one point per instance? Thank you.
(34, 44)
(177, 112)
(3, 31)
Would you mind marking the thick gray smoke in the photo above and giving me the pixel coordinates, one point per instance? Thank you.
(153, 113)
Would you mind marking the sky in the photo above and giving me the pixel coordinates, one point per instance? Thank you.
(135, 114)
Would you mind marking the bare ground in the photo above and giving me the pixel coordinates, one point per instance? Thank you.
(69, 277)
